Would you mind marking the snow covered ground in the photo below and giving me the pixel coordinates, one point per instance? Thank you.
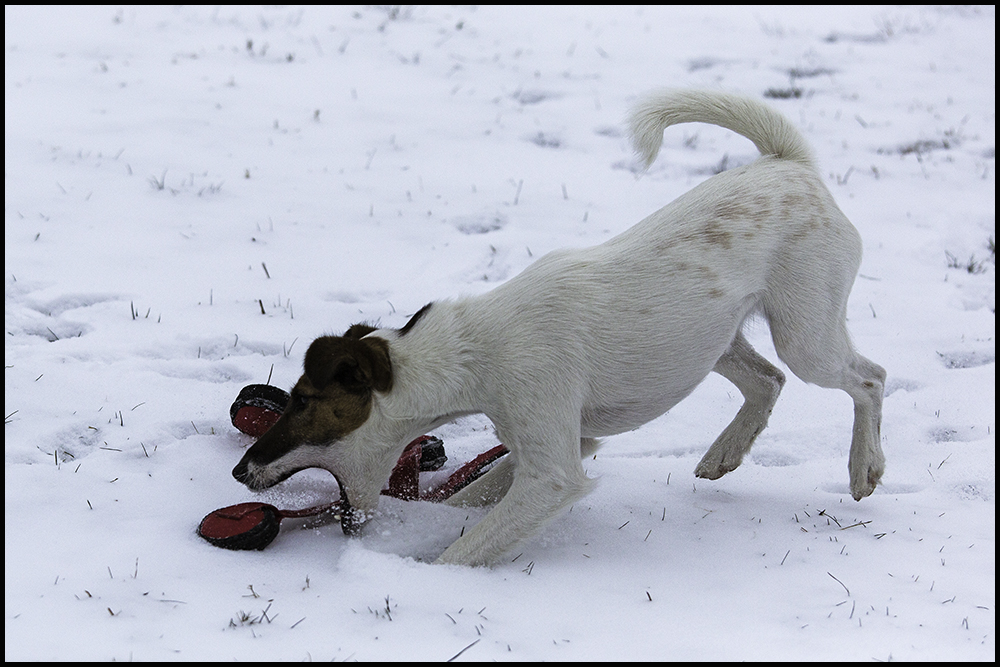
(192, 194)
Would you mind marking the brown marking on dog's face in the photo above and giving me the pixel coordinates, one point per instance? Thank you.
(354, 365)
(331, 399)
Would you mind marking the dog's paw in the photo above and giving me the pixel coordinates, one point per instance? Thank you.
(866, 476)
(714, 467)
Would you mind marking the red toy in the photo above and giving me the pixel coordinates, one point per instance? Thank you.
(254, 525)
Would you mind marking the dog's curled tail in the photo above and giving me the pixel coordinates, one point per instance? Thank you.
(771, 132)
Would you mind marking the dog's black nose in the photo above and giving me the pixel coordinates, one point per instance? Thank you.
(240, 472)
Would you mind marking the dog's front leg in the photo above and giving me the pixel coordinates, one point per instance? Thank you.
(535, 496)
(493, 486)
(489, 488)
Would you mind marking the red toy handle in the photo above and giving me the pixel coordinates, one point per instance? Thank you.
(309, 511)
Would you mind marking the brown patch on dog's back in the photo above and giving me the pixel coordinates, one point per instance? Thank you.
(715, 233)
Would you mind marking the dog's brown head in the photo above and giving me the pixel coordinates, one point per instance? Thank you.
(331, 400)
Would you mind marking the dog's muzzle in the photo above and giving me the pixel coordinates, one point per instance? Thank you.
(250, 475)
(242, 474)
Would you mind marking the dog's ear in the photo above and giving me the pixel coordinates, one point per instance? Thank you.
(371, 367)
(356, 365)
(358, 331)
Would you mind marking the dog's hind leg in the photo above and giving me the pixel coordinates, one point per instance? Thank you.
(760, 383)
(866, 384)
(810, 335)
(864, 381)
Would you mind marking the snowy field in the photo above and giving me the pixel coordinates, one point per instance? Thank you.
(192, 194)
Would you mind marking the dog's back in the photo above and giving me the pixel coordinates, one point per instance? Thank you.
(641, 319)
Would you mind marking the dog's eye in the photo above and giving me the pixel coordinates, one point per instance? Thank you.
(301, 402)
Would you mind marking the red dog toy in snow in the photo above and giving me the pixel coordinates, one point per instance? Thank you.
(254, 525)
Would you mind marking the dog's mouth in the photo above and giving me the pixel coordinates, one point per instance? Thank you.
(249, 475)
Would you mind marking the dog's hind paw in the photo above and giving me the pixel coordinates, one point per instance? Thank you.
(865, 478)
(714, 467)
(865, 486)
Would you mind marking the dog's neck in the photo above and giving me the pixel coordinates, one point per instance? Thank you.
(435, 375)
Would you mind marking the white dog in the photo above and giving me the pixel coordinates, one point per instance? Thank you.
(594, 342)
